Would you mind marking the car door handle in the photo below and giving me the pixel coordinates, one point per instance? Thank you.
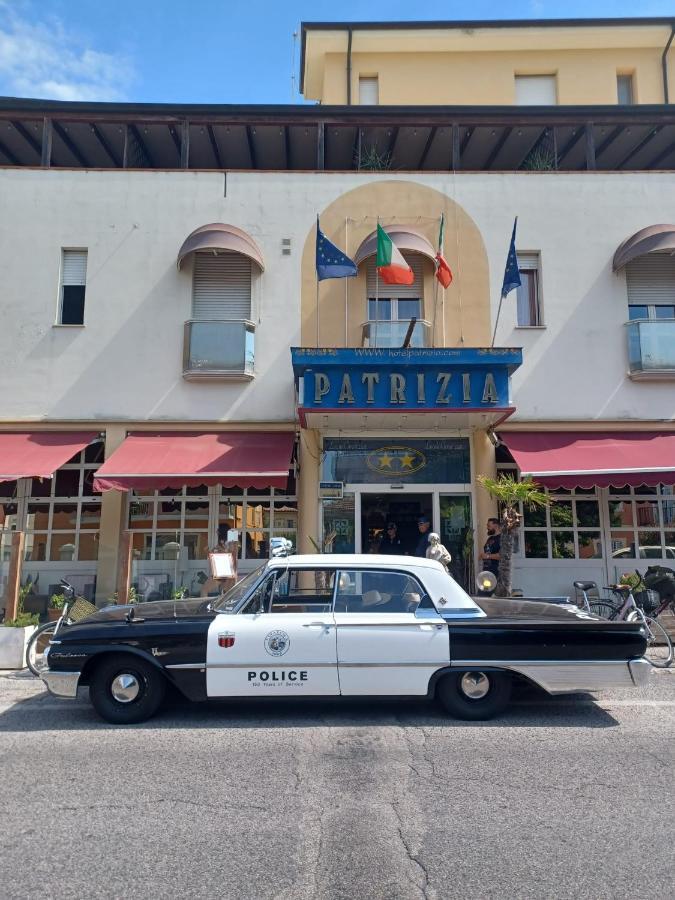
(316, 625)
(431, 626)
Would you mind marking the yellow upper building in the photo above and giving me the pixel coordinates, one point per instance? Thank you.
(544, 63)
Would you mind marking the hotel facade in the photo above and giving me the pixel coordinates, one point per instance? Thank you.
(172, 366)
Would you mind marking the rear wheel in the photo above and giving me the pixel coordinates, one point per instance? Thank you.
(604, 609)
(125, 689)
(474, 695)
(659, 650)
(37, 644)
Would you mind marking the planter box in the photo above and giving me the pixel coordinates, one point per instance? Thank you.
(13, 646)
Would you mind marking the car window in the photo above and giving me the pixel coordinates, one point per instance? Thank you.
(379, 592)
(259, 600)
(303, 590)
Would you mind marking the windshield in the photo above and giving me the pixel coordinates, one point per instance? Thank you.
(231, 599)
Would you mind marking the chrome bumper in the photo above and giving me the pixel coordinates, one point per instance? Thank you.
(640, 671)
(61, 684)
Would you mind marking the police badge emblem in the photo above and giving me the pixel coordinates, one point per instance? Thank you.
(277, 643)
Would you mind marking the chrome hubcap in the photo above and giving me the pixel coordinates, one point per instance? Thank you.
(125, 688)
(475, 685)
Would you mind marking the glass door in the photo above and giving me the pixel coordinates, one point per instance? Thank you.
(458, 537)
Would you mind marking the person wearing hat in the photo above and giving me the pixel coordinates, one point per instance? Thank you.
(424, 526)
(391, 542)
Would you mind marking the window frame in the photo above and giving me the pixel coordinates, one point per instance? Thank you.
(627, 78)
(59, 323)
(423, 592)
(370, 79)
(534, 288)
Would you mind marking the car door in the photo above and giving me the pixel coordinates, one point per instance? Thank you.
(390, 639)
(282, 643)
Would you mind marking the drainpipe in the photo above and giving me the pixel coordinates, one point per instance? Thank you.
(664, 63)
(349, 66)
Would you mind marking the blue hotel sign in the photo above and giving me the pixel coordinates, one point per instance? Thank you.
(431, 379)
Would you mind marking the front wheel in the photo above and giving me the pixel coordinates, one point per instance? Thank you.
(125, 689)
(474, 695)
(659, 650)
(36, 646)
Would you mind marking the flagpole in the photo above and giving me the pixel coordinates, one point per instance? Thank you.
(377, 288)
(317, 311)
(346, 285)
(499, 309)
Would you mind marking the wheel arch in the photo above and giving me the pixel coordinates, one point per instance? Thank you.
(476, 667)
(106, 652)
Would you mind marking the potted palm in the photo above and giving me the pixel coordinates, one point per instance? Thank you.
(15, 633)
(510, 494)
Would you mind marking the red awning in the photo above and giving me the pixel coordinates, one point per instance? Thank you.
(586, 459)
(151, 461)
(38, 454)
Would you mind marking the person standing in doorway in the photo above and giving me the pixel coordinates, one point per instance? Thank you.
(391, 542)
(424, 527)
(492, 550)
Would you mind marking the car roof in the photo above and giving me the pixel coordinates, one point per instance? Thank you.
(350, 560)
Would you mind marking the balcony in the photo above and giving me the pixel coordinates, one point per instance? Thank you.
(223, 349)
(651, 349)
(381, 333)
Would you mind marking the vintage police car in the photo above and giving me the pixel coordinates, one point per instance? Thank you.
(340, 625)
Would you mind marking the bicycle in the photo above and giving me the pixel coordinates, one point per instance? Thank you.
(74, 609)
(596, 607)
(659, 645)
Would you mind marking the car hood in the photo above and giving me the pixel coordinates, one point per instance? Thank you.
(155, 609)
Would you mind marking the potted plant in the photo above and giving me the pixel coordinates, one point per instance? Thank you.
(15, 633)
(56, 604)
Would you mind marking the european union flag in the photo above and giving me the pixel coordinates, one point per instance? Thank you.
(330, 261)
(511, 273)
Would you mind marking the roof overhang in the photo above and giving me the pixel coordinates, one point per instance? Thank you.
(653, 239)
(405, 238)
(219, 236)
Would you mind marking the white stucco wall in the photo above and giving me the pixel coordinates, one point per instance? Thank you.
(125, 363)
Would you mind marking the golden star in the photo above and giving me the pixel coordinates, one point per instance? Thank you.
(385, 461)
(407, 461)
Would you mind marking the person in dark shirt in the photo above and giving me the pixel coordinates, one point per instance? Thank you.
(391, 542)
(424, 526)
(492, 550)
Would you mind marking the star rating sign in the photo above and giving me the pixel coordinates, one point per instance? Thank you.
(385, 461)
(407, 461)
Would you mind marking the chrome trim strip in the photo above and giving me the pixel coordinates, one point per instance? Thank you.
(391, 665)
(417, 622)
(562, 676)
(268, 664)
(640, 671)
(61, 684)
(186, 666)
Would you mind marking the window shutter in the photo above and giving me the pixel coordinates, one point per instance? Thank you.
(369, 93)
(536, 90)
(221, 286)
(651, 279)
(528, 260)
(74, 267)
(414, 290)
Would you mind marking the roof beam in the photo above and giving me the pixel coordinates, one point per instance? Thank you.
(70, 144)
(251, 147)
(456, 158)
(135, 133)
(590, 146)
(100, 137)
(465, 142)
(614, 133)
(494, 153)
(530, 147)
(46, 149)
(572, 142)
(427, 146)
(214, 146)
(6, 152)
(28, 137)
(287, 146)
(391, 146)
(645, 140)
(184, 144)
(662, 155)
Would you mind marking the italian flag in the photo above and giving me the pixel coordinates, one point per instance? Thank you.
(443, 271)
(391, 266)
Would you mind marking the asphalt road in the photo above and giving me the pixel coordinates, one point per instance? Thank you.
(567, 797)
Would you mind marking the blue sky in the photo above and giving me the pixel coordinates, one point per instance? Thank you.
(206, 51)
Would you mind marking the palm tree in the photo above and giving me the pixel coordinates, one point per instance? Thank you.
(510, 493)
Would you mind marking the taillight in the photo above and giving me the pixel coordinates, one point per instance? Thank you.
(226, 640)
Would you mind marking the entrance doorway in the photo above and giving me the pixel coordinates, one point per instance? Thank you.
(377, 510)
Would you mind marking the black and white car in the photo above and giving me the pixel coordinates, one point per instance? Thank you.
(309, 626)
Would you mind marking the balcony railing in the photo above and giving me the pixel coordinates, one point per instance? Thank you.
(651, 348)
(219, 349)
(378, 333)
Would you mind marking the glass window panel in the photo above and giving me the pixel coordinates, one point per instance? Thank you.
(645, 489)
(664, 312)
(536, 544)
(288, 534)
(90, 515)
(579, 490)
(88, 548)
(588, 513)
(8, 516)
(230, 513)
(197, 545)
(251, 493)
(63, 548)
(140, 513)
(623, 545)
(285, 514)
(620, 513)
(372, 592)
(670, 544)
(564, 492)
(67, 483)
(409, 308)
(197, 515)
(36, 547)
(167, 546)
(562, 543)
(258, 514)
(199, 490)
(561, 514)
(379, 310)
(590, 545)
(338, 525)
(169, 515)
(94, 452)
(41, 487)
(534, 516)
(170, 492)
(668, 513)
(647, 513)
(257, 544)
(8, 489)
(649, 545)
(142, 546)
(65, 517)
(38, 517)
(88, 483)
(636, 311)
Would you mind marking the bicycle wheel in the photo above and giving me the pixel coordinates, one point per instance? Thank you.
(604, 609)
(659, 650)
(37, 644)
